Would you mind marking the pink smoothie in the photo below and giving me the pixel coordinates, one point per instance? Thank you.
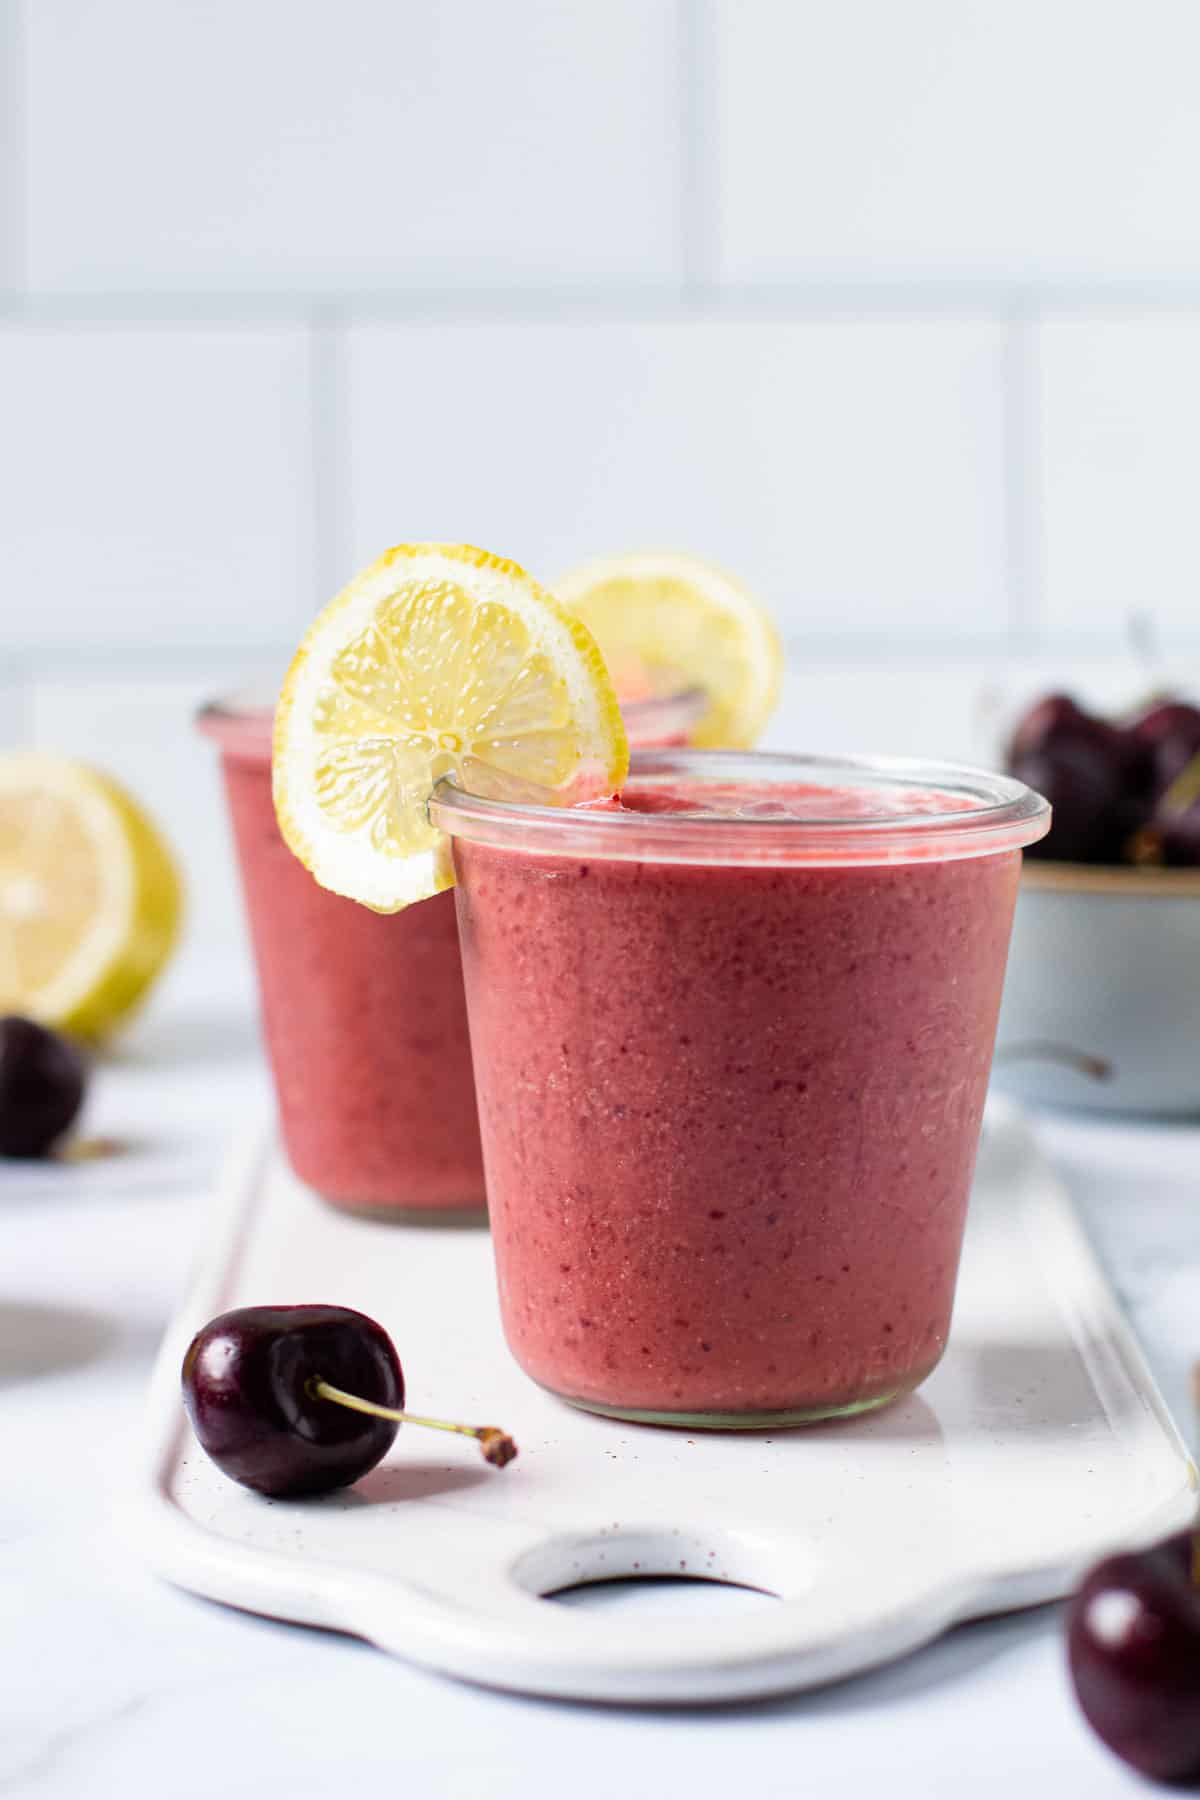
(730, 1110)
(364, 1018)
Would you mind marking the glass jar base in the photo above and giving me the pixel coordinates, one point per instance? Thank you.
(778, 1420)
(473, 1216)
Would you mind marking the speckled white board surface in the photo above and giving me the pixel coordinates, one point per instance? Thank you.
(1039, 1443)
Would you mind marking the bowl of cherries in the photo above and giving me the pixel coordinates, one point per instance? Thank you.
(1102, 1000)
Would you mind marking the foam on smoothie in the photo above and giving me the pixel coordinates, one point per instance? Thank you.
(802, 802)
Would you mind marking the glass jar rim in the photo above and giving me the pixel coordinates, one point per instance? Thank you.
(998, 814)
(241, 722)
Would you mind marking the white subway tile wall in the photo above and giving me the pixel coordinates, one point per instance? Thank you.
(14, 714)
(287, 145)
(1120, 474)
(12, 174)
(997, 140)
(143, 731)
(854, 473)
(157, 486)
(896, 310)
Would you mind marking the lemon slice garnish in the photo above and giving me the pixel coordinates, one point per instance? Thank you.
(90, 899)
(438, 660)
(666, 621)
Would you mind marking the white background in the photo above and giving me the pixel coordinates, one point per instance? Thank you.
(893, 309)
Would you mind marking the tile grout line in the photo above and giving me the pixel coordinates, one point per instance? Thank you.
(820, 300)
(14, 148)
(53, 664)
(698, 127)
(326, 428)
(1035, 430)
(1022, 459)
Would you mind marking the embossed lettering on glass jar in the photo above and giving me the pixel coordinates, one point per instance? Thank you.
(731, 1039)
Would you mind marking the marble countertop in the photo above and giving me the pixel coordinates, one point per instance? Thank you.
(114, 1683)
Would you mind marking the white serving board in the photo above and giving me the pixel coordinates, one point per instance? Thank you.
(1038, 1444)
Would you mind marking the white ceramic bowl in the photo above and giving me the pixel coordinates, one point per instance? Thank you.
(1105, 964)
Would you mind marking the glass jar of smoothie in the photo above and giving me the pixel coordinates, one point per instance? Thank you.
(363, 1016)
(732, 1040)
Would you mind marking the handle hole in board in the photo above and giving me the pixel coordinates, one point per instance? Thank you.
(673, 1569)
(665, 1597)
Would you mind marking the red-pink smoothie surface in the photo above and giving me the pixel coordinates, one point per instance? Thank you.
(730, 1116)
(365, 1026)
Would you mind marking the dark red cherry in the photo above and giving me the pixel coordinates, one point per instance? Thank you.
(1171, 834)
(1096, 776)
(1133, 1645)
(1179, 835)
(1175, 823)
(1084, 783)
(247, 1388)
(1047, 720)
(1164, 719)
(1170, 734)
(296, 1400)
(42, 1082)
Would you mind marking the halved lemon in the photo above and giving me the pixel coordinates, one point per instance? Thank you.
(438, 660)
(665, 621)
(90, 899)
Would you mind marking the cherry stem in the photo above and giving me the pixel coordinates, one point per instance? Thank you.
(497, 1446)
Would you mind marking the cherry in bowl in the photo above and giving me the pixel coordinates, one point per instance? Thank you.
(1122, 790)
